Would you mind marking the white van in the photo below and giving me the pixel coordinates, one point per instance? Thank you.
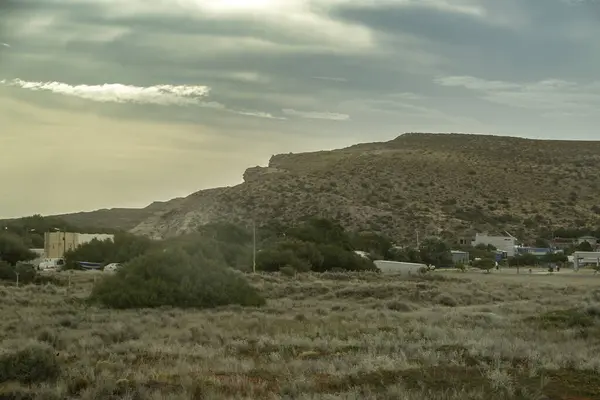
(113, 267)
(51, 264)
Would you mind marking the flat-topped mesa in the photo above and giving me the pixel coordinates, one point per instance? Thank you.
(254, 174)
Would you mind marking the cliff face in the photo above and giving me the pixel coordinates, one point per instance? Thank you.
(446, 184)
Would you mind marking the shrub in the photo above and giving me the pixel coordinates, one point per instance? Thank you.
(26, 272)
(288, 271)
(337, 257)
(486, 264)
(13, 249)
(446, 300)
(277, 258)
(124, 248)
(34, 364)
(565, 319)
(174, 278)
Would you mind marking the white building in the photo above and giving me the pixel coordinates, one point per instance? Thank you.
(401, 268)
(583, 258)
(56, 244)
(503, 243)
(590, 239)
(460, 257)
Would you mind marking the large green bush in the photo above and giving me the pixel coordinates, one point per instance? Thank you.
(124, 248)
(174, 278)
(221, 242)
(33, 364)
(307, 256)
(336, 258)
(13, 249)
(26, 273)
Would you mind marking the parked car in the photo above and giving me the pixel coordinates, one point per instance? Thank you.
(112, 267)
(51, 264)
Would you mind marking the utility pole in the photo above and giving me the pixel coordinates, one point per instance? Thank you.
(253, 247)
(418, 243)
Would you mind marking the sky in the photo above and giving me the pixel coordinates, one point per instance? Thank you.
(107, 103)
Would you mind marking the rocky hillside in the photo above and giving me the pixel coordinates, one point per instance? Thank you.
(437, 184)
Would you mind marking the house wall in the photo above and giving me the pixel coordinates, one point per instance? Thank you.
(581, 258)
(460, 257)
(504, 243)
(590, 239)
(56, 244)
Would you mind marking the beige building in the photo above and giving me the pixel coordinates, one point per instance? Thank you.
(56, 244)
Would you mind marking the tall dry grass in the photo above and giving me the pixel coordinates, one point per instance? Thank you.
(329, 336)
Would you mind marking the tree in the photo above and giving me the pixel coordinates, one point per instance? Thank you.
(436, 252)
(321, 231)
(542, 243)
(485, 264)
(26, 273)
(405, 254)
(171, 277)
(585, 246)
(482, 251)
(122, 249)
(273, 260)
(523, 260)
(13, 250)
(373, 243)
(558, 258)
(335, 257)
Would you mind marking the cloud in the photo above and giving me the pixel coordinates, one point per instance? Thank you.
(258, 114)
(5, 44)
(163, 95)
(331, 78)
(565, 97)
(473, 83)
(316, 115)
(181, 95)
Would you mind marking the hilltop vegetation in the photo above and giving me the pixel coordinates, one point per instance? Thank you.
(31, 229)
(442, 185)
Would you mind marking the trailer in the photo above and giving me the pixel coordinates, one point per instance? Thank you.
(400, 268)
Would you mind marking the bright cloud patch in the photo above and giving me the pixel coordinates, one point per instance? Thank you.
(164, 95)
(182, 95)
(258, 114)
(316, 115)
(567, 98)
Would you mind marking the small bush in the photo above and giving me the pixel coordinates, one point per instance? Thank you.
(26, 273)
(446, 300)
(565, 319)
(34, 364)
(485, 264)
(399, 306)
(288, 271)
(174, 278)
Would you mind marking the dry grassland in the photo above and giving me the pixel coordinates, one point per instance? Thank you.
(331, 336)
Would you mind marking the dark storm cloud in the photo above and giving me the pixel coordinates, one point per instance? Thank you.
(510, 39)
(514, 41)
